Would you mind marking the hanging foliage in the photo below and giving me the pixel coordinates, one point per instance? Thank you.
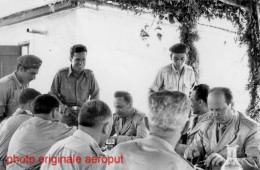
(242, 13)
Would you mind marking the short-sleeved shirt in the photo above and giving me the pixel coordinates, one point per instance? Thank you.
(73, 91)
(168, 78)
(10, 90)
(80, 144)
(34, 138)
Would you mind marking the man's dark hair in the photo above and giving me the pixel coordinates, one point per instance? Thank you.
(127, 96)
(93, 113)
(226, 92)
(44, 104)
(28, 95)
(201, 92)
(78, 48)
(18, 66)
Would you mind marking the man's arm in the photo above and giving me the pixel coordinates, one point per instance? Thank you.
(94, 88)
(141, 132)
(158, 82)
(196, 148)
(4, 97)
(252, 150)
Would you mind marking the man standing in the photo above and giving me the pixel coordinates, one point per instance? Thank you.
(9, 126)
(168, 114)
(74, 85)
(229, 127)
(95, 123)
(128, 123)
(176, 76)
(11, 86)
(35, 136)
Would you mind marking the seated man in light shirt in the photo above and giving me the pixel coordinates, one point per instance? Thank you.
(35, 136)
(229, 127)
(9, 126)
(128, 122)
(167, 116)
(95, 123)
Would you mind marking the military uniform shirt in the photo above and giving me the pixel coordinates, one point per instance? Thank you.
(135, 126)
(34, 138)
(168, 78)
(8, 127)
(73, 91)
(241, 131)
(10, 90)
(80, 144)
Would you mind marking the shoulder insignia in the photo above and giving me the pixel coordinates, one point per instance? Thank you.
(248, 121)
(140, 114)
(206, 117)
(97, 150)
(63, 69)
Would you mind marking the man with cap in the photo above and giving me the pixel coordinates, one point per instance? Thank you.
(176, 76)
(11, 86)
(74, 85)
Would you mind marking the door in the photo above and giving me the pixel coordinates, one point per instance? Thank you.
(8, 57)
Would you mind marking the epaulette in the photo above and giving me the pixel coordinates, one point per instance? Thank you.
(88, 71)
(64, 69)
(140, 114)
(97, 150)
(189, 67)
(248, 121)
(207, 116)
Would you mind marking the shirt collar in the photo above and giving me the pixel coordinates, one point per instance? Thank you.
(17, 82)
(163, 142)
(183, 69)
(71, 71)
(93, 144)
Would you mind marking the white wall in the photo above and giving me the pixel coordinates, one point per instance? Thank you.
(117, 55)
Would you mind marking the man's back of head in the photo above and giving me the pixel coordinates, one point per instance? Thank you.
(27, 97)
(168, 114)
(168, 110)
(46, 106)
(95, 118)
(198, 98)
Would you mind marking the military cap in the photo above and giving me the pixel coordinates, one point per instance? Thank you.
(179, 48)
(30, 61)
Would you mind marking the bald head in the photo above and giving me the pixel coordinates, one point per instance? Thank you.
(168, 110)
(220, 101)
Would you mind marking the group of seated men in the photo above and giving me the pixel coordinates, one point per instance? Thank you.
(180, 129)
(33, 135)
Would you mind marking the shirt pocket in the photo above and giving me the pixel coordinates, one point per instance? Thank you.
(15, 97)
(84, 91)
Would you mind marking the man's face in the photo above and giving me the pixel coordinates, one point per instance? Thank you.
(195, 104)
(220, 109)
(78, 61)
(178, 59)
(27, 75)
(121, 106)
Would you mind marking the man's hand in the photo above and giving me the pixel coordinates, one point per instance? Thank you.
(191, 153)
(214, 159)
